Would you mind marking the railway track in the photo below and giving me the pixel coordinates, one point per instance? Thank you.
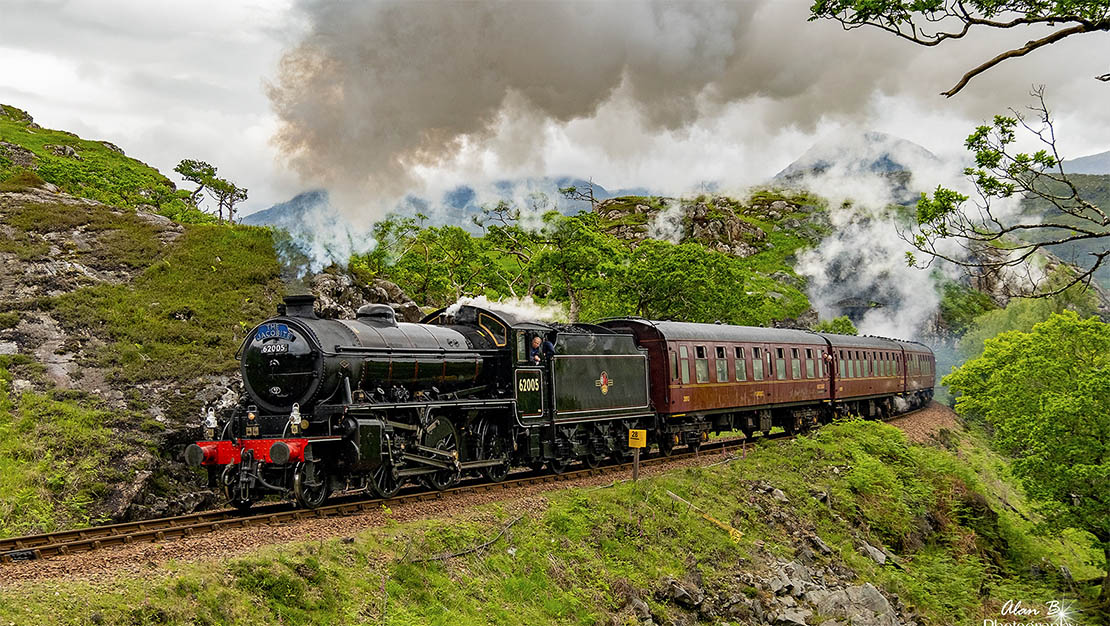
(35, 547)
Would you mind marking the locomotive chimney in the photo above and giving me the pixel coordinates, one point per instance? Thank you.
(298, 306)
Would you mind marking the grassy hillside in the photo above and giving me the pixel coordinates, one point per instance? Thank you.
(955, 526)
(97, 170)
(140, 329)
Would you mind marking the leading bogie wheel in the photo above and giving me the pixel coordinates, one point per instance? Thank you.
(311, 486)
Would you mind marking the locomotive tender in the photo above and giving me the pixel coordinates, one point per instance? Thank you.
(372, 403)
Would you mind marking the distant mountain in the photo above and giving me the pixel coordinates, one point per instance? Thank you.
(456, 206)
(290, 212)
(1091, 164)
(851, 154)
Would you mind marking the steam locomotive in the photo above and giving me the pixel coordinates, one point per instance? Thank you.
(374, 404)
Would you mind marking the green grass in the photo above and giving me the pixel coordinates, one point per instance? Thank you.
(58, 454)
(573, 561)
(184, 315)
(20, 180)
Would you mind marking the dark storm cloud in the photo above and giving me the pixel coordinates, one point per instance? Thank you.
(375, 91)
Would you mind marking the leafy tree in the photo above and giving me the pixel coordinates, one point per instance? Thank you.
(961, 305)
(515, 244)
(199, 173)
(1023, 314)
(932, 22)
(686, 282)
(227, 194)
(1047, 394)
(981, 239)
(576, 256)
(581, 194)
(839, 325)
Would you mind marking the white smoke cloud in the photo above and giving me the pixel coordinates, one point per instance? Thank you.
(522, 308)
(667, 224)
(322, 236)
(864, 262)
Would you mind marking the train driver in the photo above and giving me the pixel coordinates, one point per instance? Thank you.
(541, 350)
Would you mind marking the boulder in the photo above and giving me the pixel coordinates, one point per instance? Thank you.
(862, 605)
(686, 595)
(794, 616)
(874, 553)
(63, 150)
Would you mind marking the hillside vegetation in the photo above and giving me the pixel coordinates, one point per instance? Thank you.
(947, 520)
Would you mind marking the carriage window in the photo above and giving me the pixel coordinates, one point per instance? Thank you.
(757, 364)
(674, 365)
(809, 363)
(795, 364)
(685, 369)
(741, 374)
(722, 365)
(859, 364)
(843, 373)
(780, 364)
(701, 364)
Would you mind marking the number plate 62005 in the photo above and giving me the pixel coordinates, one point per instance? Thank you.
(275, 348)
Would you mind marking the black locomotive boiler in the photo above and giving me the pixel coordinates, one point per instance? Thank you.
(373, 403)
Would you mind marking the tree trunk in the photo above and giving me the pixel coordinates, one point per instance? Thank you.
(573, 316)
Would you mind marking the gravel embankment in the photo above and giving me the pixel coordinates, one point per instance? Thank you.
(922, 427)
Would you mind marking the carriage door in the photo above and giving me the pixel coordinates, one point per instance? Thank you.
(528, 384)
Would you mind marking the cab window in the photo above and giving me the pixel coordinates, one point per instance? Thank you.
(521, 347)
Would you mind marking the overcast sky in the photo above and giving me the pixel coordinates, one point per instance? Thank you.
(422, 96)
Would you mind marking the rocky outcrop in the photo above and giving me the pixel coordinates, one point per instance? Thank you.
(719, 223)
(17, 155)
(63, 150)
(339, 296)
(814, 588)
